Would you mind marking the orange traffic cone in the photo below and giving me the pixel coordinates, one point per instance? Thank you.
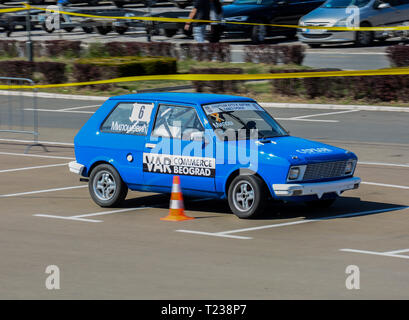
(176, 209)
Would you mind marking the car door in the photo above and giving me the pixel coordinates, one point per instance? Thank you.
(123, 134)
(171, 149)
(288, 12)
(387, 16)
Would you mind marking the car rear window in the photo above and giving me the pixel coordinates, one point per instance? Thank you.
(129, 118)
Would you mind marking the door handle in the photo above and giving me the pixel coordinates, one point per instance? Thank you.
(150, 145)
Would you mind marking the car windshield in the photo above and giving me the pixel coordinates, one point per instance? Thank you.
(253, 1)
(345, 3)
(242, 120)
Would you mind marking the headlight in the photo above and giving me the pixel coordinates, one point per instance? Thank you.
(238, 18)
(350, 167)
(301, 23)
(296, 173)
(341, 23)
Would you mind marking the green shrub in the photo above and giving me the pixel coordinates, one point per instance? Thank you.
(216, 86)
(96, 50)
(113, 67)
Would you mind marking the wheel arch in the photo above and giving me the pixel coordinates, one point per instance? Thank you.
(97, 163)
(239, 172)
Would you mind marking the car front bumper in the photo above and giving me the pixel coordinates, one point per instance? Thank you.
(316, 188)
(326, 36)
(76, 167)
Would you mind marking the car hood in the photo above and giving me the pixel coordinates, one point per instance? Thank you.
(300, 151)
(328, 15)
(234, 10)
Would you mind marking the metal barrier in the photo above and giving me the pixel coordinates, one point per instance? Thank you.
(13, 110)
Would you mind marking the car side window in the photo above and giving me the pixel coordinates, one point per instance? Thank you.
(129, 118)
(176, 122)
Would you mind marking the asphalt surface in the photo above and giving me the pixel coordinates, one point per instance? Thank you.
(345, 56)
(292, 252)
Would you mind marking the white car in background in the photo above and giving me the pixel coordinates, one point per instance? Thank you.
(341, 13)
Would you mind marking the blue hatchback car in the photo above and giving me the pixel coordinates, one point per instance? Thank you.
(221, 146)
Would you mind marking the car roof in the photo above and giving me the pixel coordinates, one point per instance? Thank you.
(182, 97)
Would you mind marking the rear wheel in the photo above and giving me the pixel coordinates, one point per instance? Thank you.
(246, 195)
(106, 186)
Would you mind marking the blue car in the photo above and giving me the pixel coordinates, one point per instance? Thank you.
(221, 146)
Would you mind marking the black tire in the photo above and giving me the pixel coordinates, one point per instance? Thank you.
(103, 30)
(364, 38)
(255, 199)
(120, 29)
(103, 179)
(320, 204)
(258, 34)
(314, 45)
(170, 32)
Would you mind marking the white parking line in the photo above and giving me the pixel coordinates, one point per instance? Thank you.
(42, 142)
(385, 185)
(66, 218)
(34, 155)
(307, 117)
(83, 107)
(309, 120)
(60, 111)
(83, 216)
(40, 191)
(37, 167)
(385, 254)
(228, 233)
(324, 114)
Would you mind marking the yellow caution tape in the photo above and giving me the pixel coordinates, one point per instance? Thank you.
(11, 10)
(182, 20)
(223, 77)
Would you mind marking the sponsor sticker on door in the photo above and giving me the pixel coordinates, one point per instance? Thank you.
(179, 165)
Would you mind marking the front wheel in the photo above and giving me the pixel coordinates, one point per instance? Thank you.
(246, 196)
(106, 186)
(364, 38)
(258, 34)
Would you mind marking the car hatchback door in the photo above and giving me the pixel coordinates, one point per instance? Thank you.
(176, 146)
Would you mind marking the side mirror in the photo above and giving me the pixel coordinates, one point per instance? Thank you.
(383, 5)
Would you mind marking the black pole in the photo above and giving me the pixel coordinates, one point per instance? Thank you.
(29, 44)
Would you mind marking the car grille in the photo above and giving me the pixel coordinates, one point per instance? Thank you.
(325, 170)
(317, 24)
